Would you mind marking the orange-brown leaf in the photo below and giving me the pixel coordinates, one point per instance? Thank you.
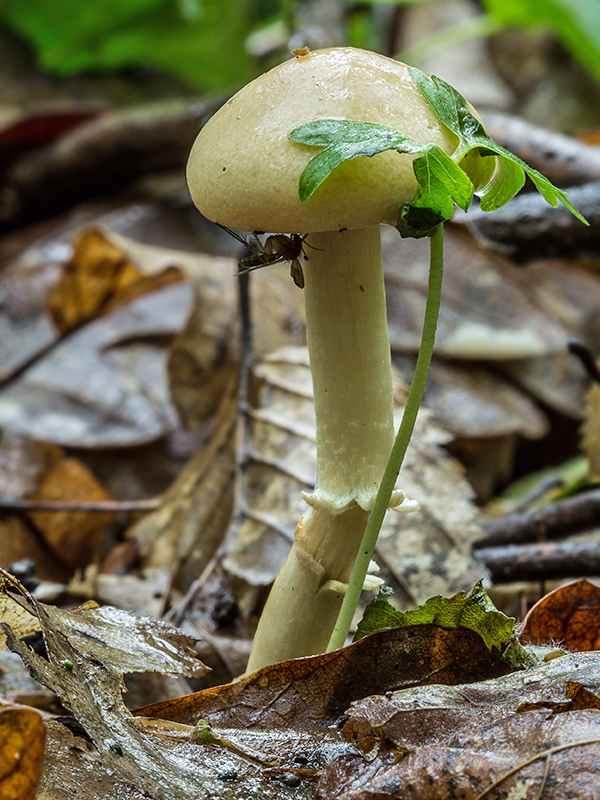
(22, 738)
(99, 277)
(569, 614)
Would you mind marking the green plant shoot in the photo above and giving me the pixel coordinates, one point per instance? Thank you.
(442, 183)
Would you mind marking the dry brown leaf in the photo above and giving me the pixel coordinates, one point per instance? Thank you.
(22, 738)
(311, 693)
(425, 553)
(436, 742)
(96, 272)
(569, 614)
(26, 327)
(185, 531)
(77, 538)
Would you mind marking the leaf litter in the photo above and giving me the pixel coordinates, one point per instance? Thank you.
(277, 732)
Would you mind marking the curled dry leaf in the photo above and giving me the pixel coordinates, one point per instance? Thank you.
(569, 615)
(98, 278)
(22, 738)
(467, 741)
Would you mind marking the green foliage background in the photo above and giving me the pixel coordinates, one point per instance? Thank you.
(199, 41)
(203, 42)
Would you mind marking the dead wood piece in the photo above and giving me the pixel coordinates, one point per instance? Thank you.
(527, 227)
(100, 157)
(547, 561)
(557, 520)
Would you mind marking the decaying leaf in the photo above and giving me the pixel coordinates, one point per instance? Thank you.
(569, 615)
(26, 327)
(437, 743)
(22, 738)
(76, 538)
(40, 471)
(98, 278)
(105, 384)
(422, 554)
(312, 693)
(88, 651)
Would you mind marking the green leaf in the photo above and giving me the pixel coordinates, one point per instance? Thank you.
(205, 48)
(473, 610)
(453, 111)
(344, 140)
(441, 181)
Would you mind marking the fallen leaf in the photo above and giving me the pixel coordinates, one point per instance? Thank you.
(569, 614)
(488, 311)
(77, 538)
(26, 327)
(422, 554)
(22, 738)
(98, 278)
(104, 385)
(578, 699)
(436, 742)
(88, 650)
(312, 693)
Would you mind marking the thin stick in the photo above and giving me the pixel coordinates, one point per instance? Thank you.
(415, 395)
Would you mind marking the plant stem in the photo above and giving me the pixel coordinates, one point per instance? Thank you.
(413, 402)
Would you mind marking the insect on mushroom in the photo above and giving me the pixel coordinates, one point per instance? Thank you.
(274, 250)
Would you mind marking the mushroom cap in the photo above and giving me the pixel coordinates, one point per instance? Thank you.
(243, 171)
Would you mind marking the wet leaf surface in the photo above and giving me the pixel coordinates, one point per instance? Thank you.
(312, 693)
(569, 615)
(88, 651)
(22, 738)
(468, 741)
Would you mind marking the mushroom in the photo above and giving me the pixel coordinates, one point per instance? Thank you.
(243, 173)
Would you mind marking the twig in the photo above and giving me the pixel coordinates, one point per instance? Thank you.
(100, 506)
(547, 561)
(557, 520)
(99, 157)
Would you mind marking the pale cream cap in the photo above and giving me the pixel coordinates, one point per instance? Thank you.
(243, 171)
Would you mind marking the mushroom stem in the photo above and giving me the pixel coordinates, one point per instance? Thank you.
(348, 344)
(350, 361)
